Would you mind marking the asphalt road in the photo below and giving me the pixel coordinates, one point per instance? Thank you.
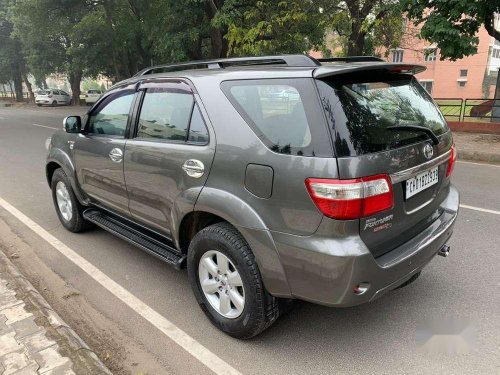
(381, 337)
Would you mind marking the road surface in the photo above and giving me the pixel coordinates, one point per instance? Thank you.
(380, 337)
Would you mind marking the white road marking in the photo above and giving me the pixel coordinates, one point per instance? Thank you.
(483, 164)
(480, 209)
(193, 347)
(45, 126)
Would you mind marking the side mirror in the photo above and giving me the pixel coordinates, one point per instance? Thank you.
(72, 124)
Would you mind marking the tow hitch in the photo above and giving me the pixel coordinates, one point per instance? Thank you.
(445, 251)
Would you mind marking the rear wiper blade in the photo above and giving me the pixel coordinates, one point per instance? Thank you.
(416, 128)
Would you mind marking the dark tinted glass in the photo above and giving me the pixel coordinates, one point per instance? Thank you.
(165, 115)
(284, 113)
(111, 117)
(360, 110)
(198, 132)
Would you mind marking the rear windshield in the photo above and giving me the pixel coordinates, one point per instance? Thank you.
(361, 110)
(284, 114)
(43, 92)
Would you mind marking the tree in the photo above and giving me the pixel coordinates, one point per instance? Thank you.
(269, 27)
(46, 29)
(12, 63)
(453, 24)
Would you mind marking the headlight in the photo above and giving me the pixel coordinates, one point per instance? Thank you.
(48, 144)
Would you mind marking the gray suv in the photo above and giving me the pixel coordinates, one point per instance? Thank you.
(271, 178)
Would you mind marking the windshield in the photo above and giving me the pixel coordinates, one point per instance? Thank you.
(362, 109)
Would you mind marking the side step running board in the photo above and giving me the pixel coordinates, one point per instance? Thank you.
(136, 236)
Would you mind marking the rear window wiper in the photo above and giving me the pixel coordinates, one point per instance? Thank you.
(416, 128)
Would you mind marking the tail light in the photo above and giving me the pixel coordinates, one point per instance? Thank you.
(451, 160)
(351, 199)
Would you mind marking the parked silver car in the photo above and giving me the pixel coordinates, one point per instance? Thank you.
(336, 195)
(52, 97)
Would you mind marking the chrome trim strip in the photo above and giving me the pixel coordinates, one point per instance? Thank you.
(411, 172)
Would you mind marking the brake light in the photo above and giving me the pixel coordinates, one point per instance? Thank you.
(351, 199)
(451, 160)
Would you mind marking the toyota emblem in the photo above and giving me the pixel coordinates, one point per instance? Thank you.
(428, 151)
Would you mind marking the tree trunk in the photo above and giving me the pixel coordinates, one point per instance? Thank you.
(219, 43)
(29, 86)
(495, 113)
(356, 42)
(18, 84)
(75, 78)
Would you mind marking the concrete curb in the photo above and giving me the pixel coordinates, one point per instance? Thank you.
(56, 322)
(478, 156)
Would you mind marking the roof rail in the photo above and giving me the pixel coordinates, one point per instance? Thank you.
(289, 60)
(351, 59)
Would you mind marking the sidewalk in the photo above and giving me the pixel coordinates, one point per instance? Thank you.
(33, 338)
(478, 147)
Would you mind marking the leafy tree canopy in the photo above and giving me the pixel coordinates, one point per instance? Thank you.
(453, 24)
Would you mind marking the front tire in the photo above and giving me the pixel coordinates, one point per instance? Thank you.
(53, 104)
(69, 210)
(232, 295)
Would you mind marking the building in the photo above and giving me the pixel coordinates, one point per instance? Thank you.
(473, 77)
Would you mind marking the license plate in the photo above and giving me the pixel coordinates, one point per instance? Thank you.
(421, 182)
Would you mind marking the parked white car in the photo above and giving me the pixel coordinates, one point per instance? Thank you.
(92, 96)
(52, 97)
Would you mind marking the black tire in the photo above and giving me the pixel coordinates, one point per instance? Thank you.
(77, 223)
(38, 105)
(53, 104)
(261, 309)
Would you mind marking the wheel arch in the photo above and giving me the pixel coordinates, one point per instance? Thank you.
(215, 205)
(59, 159)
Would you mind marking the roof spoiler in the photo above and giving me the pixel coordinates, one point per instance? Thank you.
(324, 71)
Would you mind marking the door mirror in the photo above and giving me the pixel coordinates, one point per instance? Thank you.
(72, 124)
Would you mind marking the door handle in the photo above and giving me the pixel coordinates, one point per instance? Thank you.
(194, 168)
(116, 155)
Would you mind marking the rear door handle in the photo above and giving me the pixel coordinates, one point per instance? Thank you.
(116, 155)
(194, 168)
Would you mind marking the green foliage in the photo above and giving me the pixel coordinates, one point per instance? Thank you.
(267, 27)
(453, 24)
(90, 84)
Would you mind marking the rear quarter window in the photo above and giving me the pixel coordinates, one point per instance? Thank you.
(284, 113)
(361, 109)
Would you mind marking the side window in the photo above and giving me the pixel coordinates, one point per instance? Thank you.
(165, 114)
(278, 111)
(111, 117)
(56, 92)
(198, 132)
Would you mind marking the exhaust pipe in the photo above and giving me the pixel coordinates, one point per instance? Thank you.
(445, 251)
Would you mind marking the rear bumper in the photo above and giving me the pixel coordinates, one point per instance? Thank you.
(325, 269)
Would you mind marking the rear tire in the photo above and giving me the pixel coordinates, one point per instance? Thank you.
(53, 104)
(260, 310)
(69, 210)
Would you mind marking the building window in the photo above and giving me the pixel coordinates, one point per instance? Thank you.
(397, 55)
(463, 72)
(430, 54)
(495, 53)
(462, 83)
(427, 85)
